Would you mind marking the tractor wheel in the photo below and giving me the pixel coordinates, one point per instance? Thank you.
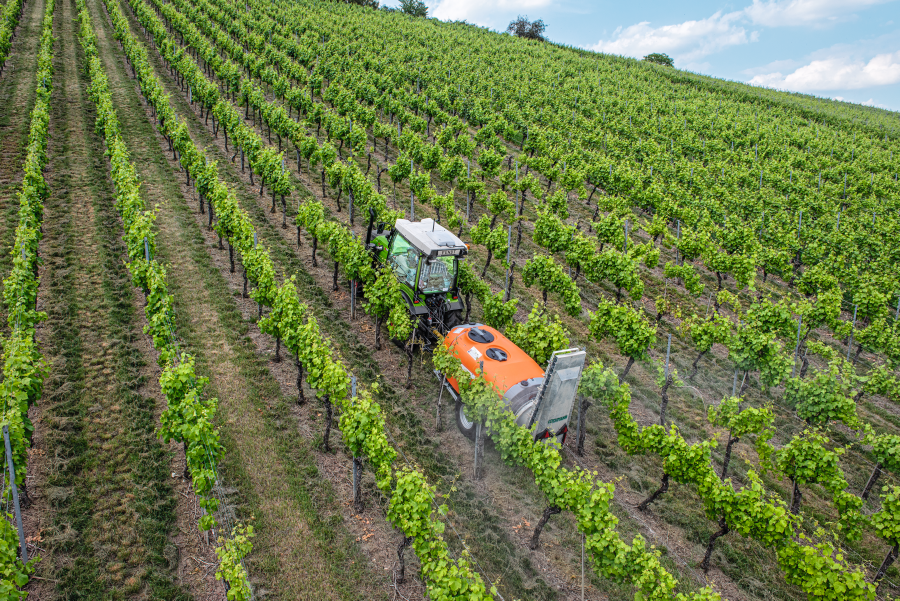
(465, 425)
(402, 344)
(453, 319)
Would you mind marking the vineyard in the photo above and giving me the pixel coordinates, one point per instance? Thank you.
(211, 391)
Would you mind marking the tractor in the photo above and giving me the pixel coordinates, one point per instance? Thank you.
(424, 257)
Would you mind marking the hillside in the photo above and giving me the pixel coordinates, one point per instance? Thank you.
(198, 360)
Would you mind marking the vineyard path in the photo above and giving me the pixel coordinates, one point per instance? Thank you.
(102, 504)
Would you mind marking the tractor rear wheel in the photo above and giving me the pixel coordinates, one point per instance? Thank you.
(465, 425)
(453, 319)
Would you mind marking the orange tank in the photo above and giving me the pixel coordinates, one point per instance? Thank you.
(515, 375)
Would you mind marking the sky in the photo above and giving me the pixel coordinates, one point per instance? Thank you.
(847, 50)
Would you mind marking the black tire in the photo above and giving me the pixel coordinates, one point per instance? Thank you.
(465, 425)
(452, 319)
(403, 344)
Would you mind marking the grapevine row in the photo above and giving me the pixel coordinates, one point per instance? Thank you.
(611, 265)
(24, 367)
(830, 396)
(625, 183)
(749, 511)
(715, 259)
(573, 490)
(342, 248)
(343, 176)
(187, 416)
(645, 346)
(9, 19)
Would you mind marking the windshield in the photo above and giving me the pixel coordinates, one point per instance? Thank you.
(438, 275)
(403, 259)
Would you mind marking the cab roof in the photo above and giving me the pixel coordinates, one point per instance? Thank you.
(429, 237)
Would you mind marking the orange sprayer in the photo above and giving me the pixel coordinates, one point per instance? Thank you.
(538, 402)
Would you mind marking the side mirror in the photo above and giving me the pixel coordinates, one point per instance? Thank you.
(380, 229)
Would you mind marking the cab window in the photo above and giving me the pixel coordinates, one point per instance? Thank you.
(438, 275)
(403, 258)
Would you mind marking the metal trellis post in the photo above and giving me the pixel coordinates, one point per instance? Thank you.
(15, 494)
(850, 342)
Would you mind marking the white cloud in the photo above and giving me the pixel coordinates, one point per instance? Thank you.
(481, 12)
(871, 102)
(688, 41)
(692, 40)
(859, 50)
(779, 65)
(836, 73)
(792, 13)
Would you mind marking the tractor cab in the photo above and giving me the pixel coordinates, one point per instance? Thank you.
(424, 257)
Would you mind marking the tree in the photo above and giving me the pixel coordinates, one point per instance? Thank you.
(688, 276)
(825, 309)
(752, 349)
(416, 8)
(500, 206)
(824, 398)
(309, 216)
(881, 381)
(705, 333)
(742, 267)
(497, 312)
(660, 59)
(886, 450)
(286, 311)
(807, 460)
(384, 302)
(551, 233)
(741, 422)
(620, 269)
(523, 28)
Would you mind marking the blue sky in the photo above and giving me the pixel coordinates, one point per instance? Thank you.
(847, 49)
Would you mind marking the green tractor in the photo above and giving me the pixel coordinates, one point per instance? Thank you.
(424, 257)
